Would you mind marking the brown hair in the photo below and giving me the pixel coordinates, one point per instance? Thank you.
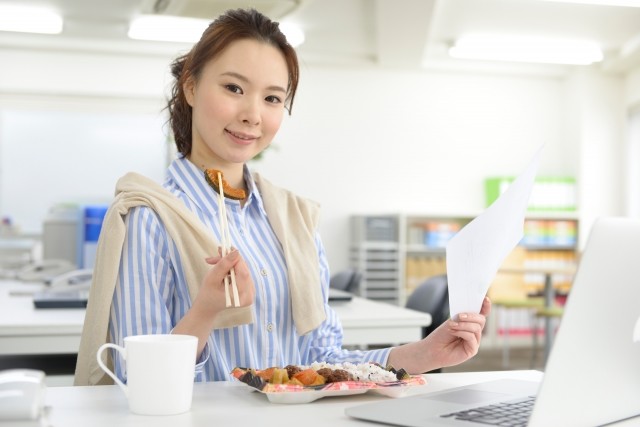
(232, 25)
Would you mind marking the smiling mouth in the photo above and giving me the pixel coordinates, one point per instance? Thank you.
(242, 136)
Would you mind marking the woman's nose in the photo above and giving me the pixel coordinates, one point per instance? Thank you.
(251, 112)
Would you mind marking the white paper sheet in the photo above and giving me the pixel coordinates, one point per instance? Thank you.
(476, 252)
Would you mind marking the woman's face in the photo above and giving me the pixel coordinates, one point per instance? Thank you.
(237, 103)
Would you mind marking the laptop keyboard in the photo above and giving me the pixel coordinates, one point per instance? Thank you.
(513, 413)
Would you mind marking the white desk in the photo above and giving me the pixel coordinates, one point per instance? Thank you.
(367, 322)
(27, 330)
(231, 403)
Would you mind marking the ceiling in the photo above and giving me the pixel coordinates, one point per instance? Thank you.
(388, 33)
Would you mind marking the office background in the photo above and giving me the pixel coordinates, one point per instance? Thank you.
(364, 137)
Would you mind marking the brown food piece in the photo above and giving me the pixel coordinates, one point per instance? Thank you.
(309, 377)
(292, 370)
(326, 373)
(340, 375)
(211, 175)
(334, 375)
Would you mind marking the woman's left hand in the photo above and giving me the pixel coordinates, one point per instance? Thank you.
(457, 340)
(450, 344)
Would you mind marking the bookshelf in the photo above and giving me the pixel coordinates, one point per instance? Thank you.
(396, 253)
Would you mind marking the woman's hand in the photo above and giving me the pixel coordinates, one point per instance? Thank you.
(457, 340)
(210, 301)
(452, 343)
(212, 289)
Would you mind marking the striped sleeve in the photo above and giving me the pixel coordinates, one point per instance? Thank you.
(325, 342)
(142, 301)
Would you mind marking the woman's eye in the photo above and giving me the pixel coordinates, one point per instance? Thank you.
(233, 88)
(273, 99)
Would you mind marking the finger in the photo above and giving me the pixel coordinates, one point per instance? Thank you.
(471, 344)
(466, 330)
(486, 306)
(241, 268)
(242, 271)
(473, 328)
(223, 266)
(212, 260)
(467, 325)
(471, 317)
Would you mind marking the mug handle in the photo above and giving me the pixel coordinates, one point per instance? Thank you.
(123, 352)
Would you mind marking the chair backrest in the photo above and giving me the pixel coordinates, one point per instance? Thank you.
(431, 296)
(346, 280)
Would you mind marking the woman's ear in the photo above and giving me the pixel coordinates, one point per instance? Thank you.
(189, 89)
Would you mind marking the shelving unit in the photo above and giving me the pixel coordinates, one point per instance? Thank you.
(398, 252)
(376, 252)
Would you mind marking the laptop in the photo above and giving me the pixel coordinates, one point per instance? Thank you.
(592, 376)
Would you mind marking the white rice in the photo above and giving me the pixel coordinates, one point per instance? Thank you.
(360, 372)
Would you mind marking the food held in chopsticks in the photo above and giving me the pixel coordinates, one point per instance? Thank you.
(214, 176)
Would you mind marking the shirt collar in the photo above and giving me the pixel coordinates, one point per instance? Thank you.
(190, 179)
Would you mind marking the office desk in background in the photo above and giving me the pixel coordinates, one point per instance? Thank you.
(549, 295)
(25, 330)
(367, 322)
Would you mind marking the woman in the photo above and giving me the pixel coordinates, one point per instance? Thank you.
(228, 100)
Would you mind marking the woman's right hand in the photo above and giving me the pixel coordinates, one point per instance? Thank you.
(210, 301)
(212, 289)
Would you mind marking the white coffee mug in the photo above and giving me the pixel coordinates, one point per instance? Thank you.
(160, 370)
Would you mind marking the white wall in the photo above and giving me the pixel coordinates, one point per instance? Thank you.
(632, 88)
(632, 102)
(364, 140)
(599, 116)
(380, 141)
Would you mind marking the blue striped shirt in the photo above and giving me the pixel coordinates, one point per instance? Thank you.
(151, 294)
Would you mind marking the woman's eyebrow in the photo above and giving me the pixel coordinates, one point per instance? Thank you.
(246, 80)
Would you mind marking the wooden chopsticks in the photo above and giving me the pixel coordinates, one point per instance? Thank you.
(226, 248)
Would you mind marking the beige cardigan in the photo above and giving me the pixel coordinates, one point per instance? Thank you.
(293, 219)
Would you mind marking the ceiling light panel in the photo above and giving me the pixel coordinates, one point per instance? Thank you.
(29, 20)
(526, 49)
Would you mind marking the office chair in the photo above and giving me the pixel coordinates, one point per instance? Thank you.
(347, 280)
(431, 296)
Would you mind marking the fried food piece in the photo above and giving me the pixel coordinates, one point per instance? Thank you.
(292, 370)
(279, 376)
(334, 375)
(326, 373)
(309, 377)
(339, 375)
(266, 374)
(211, 175)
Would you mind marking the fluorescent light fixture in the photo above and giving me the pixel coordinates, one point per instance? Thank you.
(526, 49)
(623, 3)
(167, 28)
(29, 20)
(189, 30)
(293, 33)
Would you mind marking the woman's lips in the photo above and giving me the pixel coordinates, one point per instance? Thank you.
(241, 138)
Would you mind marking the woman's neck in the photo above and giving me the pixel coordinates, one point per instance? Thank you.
(232, 173)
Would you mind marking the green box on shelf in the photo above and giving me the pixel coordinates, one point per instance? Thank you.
(548, 194)
(495, 186)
